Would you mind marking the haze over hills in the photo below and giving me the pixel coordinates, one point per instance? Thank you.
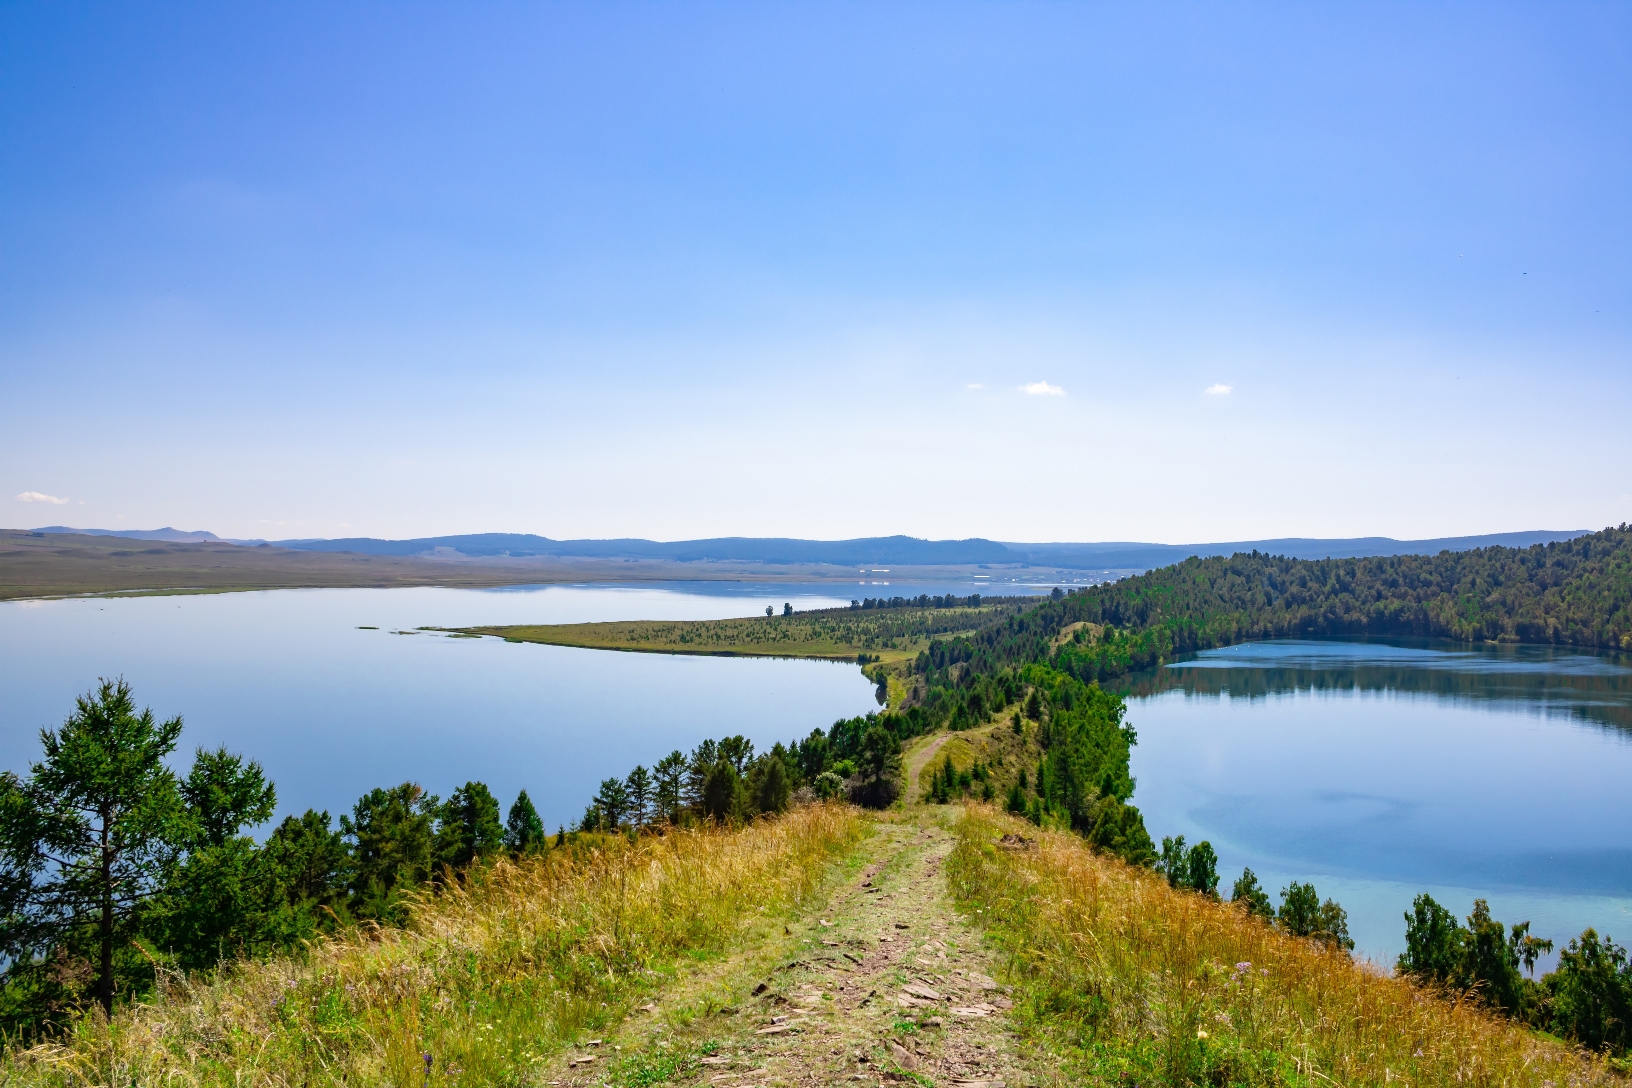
(178, 536)
(865, 551)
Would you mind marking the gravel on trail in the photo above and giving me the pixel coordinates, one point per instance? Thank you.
(881, 982)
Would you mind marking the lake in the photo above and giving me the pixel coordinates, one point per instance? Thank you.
(331, 711)
(1376, 770)
(1379, 770)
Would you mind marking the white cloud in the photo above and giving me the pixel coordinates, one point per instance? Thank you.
(1219, 389)
(40, 496)
(974, 385)
(1042, 389)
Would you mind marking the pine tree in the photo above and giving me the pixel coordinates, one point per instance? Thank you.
(698, 765)
(311, 866)
(724, 795)
(739, 750)
(667, 778)
(1201, 869)
(392, 833)
(769, 786)
(1250, 896)
(612, 799)
(222, 897)
(469, 827)
(88, 836)
(639, 788)
(523, 830)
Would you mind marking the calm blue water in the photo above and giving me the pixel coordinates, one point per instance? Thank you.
(332, 711)
(1381, 770)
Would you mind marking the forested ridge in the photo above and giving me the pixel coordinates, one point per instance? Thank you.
(1051, 657)
(1576, 593)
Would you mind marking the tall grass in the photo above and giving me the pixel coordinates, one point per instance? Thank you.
(488, 979)
(1133, 980)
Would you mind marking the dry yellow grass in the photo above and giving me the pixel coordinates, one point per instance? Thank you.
(488, 980)
(1126, 977)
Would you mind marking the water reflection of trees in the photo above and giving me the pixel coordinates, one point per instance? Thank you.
(1603, 699)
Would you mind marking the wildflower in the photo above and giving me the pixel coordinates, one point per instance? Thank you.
(1243, 967)
(1200, 1034)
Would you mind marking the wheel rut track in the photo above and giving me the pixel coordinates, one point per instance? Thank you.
(881, 982)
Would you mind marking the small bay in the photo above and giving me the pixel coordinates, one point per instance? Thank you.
(1379, 770)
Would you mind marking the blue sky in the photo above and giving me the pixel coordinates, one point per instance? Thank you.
(678, 270)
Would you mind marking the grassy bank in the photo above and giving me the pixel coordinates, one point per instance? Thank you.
(889, 635)
(1126, 978)
(490, 980)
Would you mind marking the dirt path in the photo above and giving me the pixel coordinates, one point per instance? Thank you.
(880, 983)
(917, 759)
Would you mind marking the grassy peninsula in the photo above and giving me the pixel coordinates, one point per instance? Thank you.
(885, 632)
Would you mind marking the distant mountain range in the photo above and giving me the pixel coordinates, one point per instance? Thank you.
(863, 552)
(173, 535)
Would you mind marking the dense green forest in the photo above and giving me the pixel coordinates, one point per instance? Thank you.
(1576, 593)
(1052, 656)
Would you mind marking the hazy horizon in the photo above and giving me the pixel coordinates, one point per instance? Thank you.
(721, 536)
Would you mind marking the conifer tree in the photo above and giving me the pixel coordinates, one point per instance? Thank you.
(613, 802)
(1201, 869)
(698, 765)
(769, 784)
(468, 826)
(638, 786)
(311, 866)
(222, 897)
(667, 778)
(1250, 896)
(88, 836)
(739, 750)
(724, 796)
(392, 834)
(523, 830)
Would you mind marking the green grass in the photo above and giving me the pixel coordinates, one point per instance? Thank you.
(646, 1068)
(891, 635)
